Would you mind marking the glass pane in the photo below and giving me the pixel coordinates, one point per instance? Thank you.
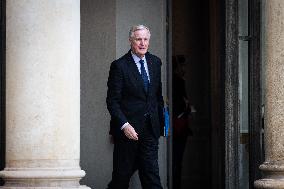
(243, 18)
(244, 113)
(243, 95)
(243, 85)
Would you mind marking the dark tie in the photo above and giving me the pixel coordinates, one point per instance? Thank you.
(144, 75)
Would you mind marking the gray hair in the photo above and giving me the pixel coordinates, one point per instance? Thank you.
(136, 28)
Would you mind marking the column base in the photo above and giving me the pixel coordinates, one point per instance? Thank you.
(273, 176)
(269, 183)
(42, 178)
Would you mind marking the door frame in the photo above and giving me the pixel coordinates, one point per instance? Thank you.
(255, 94)
(231, 94)
(2, 84)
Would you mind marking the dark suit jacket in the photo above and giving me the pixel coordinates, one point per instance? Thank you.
(127, 100)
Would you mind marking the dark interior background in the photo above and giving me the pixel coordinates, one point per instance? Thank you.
(191, 38)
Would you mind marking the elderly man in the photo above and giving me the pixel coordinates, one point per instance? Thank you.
(135, 102)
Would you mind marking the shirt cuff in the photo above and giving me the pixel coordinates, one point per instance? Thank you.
(124, 125)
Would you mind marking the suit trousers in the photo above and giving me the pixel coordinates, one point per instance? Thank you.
(141, 155)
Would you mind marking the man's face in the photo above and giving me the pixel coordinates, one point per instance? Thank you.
(140, 42)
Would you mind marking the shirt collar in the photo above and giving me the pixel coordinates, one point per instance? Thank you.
(136, 58)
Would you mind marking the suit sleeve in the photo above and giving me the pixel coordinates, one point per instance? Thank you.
(114, 94)
(160, 97)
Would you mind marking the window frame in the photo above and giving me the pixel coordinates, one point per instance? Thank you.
(231, 94)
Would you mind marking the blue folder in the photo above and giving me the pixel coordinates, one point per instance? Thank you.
(167, 121)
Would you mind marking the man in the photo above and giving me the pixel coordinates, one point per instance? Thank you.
(135, 102)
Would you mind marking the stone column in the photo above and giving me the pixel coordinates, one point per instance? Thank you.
(273, 58)
(42, 94)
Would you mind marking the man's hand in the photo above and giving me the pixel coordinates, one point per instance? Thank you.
(130, 132)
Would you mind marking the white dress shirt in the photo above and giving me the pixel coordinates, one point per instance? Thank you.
(136, 60)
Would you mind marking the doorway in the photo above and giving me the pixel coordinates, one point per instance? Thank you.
(191, 94)
(219, 42)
